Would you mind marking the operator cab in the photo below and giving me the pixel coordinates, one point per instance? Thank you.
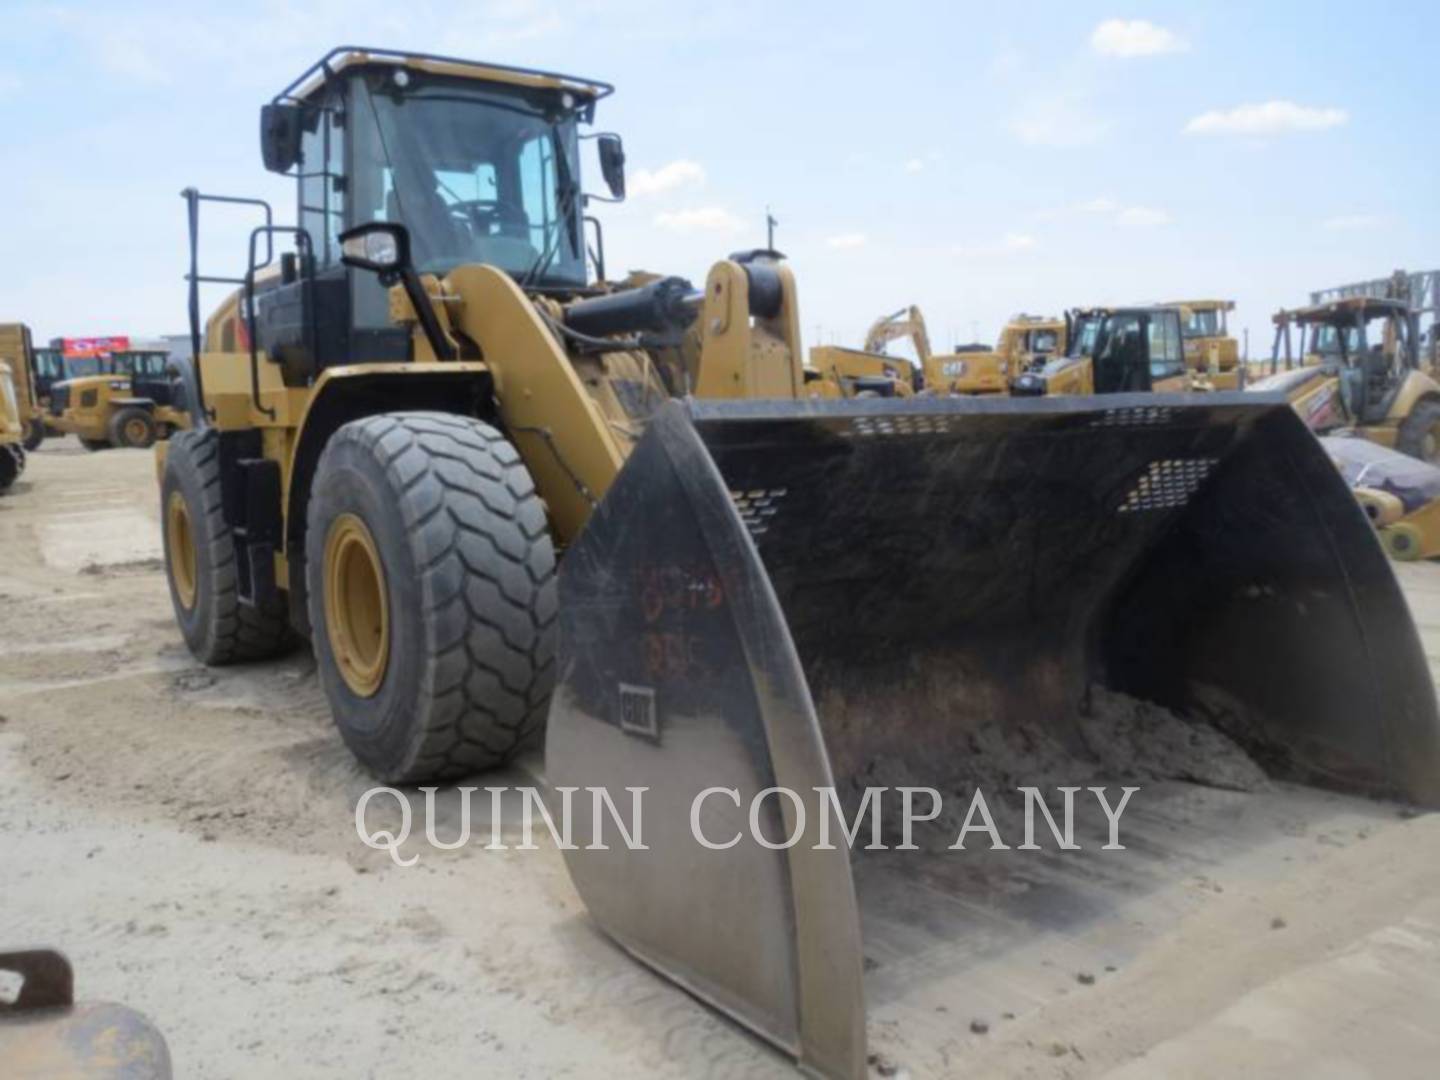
(1132, 349)
(479, 163)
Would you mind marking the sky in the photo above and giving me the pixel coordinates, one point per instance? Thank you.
(976, 159)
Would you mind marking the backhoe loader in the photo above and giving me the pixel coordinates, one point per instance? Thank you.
(12, 431)
(405, 425)
(17, 351)
(1357, 369)
(126, 402)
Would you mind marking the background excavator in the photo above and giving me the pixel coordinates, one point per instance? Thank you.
(502, 495)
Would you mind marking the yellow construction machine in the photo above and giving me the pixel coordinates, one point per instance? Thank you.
(503, 496)
(17, 351)
(1112, 350)
(1357, 368)
(12, 430)
(1210, 351)
(125, 402)
(971, 369)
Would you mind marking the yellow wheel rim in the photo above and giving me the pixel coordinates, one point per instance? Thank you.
(357, 614)
(135, 432)
(182, 549)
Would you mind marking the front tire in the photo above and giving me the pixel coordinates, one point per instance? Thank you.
(200, 561)
(431, 581)
(132, 426)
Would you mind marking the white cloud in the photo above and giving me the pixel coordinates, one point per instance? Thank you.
(1057, 120)
(1098, 206)
(914, 165)
(847, 240)
(1134, 37)
(1142, 216)
(699, 219)
(1269, 118)
(1345, 222)
(1009, 244)
(675, 174)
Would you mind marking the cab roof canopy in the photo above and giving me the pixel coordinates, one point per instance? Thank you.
(1202, 305)
(344, 57)
(1344, 311)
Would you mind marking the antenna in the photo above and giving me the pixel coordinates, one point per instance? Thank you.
(770, 224)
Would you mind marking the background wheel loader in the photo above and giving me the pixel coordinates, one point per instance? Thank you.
(432, 404)
(126, 403)
(1113, 350)
(17, 351)
(1210, 351)
(1356, 368)
(12, 431)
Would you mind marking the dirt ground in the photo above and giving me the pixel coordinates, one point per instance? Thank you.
(187, 837)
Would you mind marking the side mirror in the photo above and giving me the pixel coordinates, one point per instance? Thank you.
(381, 246)
(280, 127)
(612, 163)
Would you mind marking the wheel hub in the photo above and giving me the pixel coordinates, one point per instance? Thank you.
(182, 549)
(357, 613)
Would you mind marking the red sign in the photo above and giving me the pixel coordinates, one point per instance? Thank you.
(94, 346)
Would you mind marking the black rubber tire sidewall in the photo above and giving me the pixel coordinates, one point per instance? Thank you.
(379, 729)
(122, 418)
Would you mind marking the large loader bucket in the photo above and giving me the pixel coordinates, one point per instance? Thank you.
(869, 593)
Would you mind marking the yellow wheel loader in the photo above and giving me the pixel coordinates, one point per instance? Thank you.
(125, 403)
(17, 351)
(12, 430)
(1210, 351)
(1111, 351)
(502, 496)
(1357, 369)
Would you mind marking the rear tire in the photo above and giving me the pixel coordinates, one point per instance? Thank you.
(34, 433)
(431, 574)
(132, 426)
(200, 561)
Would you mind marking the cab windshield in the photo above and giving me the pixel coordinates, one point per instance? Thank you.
(1203, 323)
(1328, 339)
(1044, 341)
(1087, 330)
(477, 174)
